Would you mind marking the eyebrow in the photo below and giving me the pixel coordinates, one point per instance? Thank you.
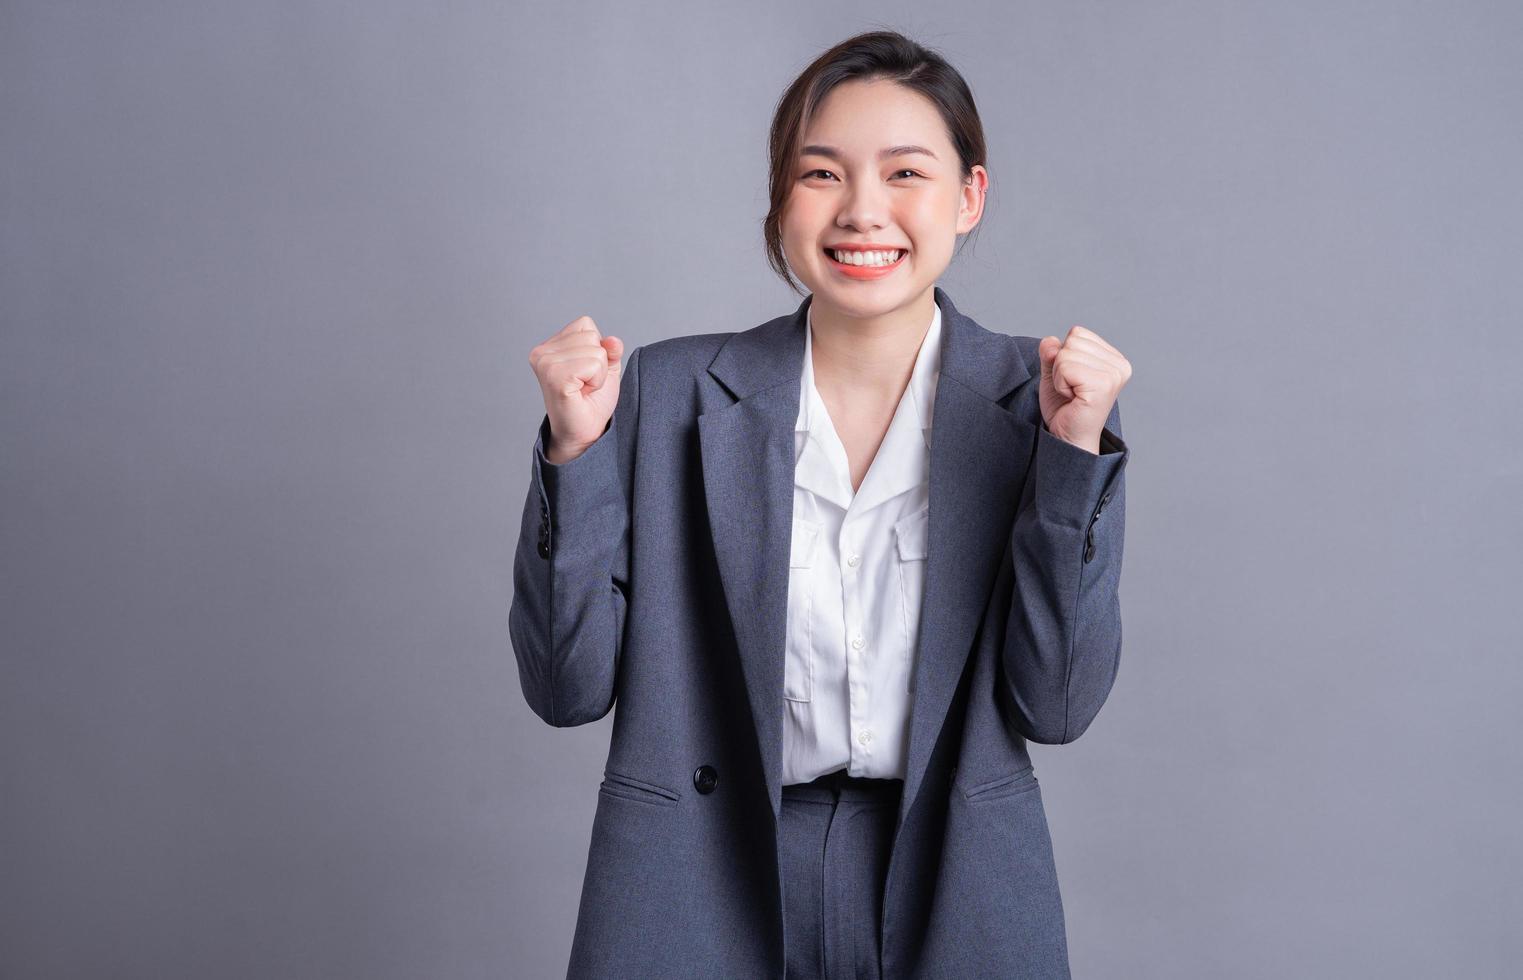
(893, 151)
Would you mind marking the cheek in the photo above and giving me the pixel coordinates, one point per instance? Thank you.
(931, 209)
(803, 211)
(933, 223)
(799, 225)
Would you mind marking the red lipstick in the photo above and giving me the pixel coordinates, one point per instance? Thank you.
(865, 272)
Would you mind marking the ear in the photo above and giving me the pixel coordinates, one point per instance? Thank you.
(975, 191)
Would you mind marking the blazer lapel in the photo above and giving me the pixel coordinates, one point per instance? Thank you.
(979, 454)
(747, 450)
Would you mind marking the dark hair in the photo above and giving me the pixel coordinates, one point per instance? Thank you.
(873, 55)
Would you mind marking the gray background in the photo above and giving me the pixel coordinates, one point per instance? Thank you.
(269, 276)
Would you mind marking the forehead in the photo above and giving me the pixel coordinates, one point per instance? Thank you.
(860, 119)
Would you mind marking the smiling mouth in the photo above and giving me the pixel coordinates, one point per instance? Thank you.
(894, 257)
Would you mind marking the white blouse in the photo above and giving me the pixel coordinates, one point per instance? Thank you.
(855, 583)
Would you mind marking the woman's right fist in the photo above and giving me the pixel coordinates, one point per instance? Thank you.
(578, 371)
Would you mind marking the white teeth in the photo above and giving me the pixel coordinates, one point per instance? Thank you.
(867, 258)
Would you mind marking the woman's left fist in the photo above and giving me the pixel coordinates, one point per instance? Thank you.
(1081, 377)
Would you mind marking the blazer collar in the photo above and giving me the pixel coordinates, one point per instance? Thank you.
(771, 354)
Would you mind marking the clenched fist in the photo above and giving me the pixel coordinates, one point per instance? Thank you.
(1081, 377)
(578, 371)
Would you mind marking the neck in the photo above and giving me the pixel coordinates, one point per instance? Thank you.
(872, 354)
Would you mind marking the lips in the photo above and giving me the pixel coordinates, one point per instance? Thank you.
(866, 272)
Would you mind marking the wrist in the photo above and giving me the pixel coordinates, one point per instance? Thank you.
(1091, 446)
(558, 454)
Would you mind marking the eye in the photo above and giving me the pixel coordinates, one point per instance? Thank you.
(827, 173)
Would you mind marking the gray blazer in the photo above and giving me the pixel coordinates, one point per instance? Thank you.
(652, 570)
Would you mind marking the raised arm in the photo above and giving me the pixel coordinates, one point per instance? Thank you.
(1063, 637)
(571, 569)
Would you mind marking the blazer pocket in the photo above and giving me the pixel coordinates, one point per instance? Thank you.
(912, 546)
(798, 660)
(1013, 784)
(629, 788)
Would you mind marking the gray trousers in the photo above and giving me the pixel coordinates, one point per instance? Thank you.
(837, 832)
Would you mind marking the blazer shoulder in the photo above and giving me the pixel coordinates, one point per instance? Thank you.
(692, 352)
(993, 341)
(1027, 348)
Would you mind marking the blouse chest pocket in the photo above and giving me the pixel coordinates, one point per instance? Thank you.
(798, 660)
(912, 545)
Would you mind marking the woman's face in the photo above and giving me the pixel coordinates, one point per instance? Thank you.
(878, 168)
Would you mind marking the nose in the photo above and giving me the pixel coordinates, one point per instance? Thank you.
(865, 207)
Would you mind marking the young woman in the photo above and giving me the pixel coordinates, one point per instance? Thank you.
(830, 631)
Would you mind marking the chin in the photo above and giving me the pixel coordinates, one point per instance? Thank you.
(863, 305)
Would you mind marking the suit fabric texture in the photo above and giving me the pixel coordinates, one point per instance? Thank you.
(651, 573)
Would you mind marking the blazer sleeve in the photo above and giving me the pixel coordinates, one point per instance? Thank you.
(571, 569)
(1063, 635)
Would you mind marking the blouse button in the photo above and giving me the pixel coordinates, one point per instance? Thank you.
(858, 643)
